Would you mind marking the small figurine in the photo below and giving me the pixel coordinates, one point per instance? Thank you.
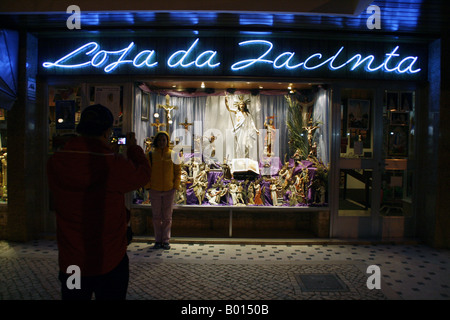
(226, 170)
(211, 195)
(240, 195)
(293, 197)
(273, 192)
(200, 183)
(269, 140)
(199, 187)
(258, 192)
(148, 144)
(233, 189)
(250, 194)
(181, 196)
(283, 175)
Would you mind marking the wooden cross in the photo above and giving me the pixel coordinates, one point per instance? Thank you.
(158, 124)
(185, 124)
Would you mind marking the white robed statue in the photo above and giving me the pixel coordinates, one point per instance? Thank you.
(244, 129)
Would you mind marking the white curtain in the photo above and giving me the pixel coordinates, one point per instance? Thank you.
(209, 116)
(322, 134)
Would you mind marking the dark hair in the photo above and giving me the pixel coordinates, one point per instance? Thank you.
(159, 134)
(95, 120)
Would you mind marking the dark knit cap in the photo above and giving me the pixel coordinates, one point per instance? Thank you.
(95, 120)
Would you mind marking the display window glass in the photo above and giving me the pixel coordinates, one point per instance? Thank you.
(399, 133)
(241, 147)
(64, 113)
(377, 148)
(356, 146)
(66, 104)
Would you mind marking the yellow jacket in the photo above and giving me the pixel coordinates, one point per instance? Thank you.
(166, 175)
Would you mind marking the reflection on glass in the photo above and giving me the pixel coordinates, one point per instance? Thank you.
(398, 150)
(356, 124)
(355, 190)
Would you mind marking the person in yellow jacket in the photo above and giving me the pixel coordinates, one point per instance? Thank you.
(165, 180)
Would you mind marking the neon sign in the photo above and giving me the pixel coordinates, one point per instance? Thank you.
(172, 62)
(284, 59)
(98, 59)
(90, 55)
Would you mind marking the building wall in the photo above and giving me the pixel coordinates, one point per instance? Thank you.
(442, 212)
(26, 151)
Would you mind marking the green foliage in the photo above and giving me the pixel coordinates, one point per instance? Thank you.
(297, 134)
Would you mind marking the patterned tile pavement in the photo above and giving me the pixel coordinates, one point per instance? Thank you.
(215, 271)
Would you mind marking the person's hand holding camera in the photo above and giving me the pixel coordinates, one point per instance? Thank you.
(131, 139)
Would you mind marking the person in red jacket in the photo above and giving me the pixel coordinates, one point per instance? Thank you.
(88, 181)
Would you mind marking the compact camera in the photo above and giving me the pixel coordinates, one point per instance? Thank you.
(121, 140)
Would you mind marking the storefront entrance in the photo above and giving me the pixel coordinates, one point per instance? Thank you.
(344, 116)
(370, 157)
(372, 189)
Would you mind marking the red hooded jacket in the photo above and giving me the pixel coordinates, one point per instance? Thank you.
(88, 182)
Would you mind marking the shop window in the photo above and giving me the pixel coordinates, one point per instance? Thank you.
(64, 113)
(273, 152)
(66, 104)
(111, 96)
(398, 151)
(355, 185)
(357, 163)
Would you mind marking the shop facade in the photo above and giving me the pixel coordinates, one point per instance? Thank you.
(334, 139)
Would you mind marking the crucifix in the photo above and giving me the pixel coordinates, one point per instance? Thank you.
(167, 107)
(187, 136)
(185, 124)
(158, 124)
(310, 129)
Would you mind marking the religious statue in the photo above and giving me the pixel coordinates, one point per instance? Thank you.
(304, 184)
(198, 143)
(293, 197)
(226, 171)
(200, 184)
(186, 138)
(211, 195)
(181, 197)
(148, 144)
(285, 175)
(233, 190)
(209, 152)
(194, 168)
(158, 124)
(168, 108)
(186, 124)
(251, 193)
(274, 191)
(240, 194)
(306, 108)
(216, 192)
(243, 129)
(269, 141)
(310, 130)
(319, 194)
(258, 192)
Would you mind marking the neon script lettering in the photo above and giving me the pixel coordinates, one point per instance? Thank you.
(314, 61)
(90, 55)
(102, 57)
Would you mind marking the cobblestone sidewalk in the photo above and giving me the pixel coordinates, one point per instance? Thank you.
(241, 272)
